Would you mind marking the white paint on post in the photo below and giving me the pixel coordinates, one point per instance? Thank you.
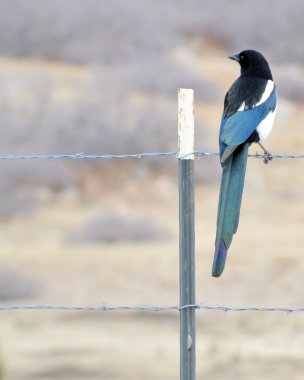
(185, 124)
(186, 233)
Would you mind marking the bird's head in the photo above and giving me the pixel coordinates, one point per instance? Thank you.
(252, 64)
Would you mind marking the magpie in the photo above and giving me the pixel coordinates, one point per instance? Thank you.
(248, 116)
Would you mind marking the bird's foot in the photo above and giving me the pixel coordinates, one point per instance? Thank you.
(267, 157)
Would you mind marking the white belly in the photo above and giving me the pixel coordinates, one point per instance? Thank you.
(265, 126)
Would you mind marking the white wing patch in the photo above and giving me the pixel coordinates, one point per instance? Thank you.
(265, 126)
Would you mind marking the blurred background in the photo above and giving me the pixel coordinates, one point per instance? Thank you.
(101, 77)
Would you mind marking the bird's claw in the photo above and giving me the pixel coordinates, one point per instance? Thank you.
(267, 158)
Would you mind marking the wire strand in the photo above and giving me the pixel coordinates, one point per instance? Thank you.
(86, 156)
(200, 306)
(134, 155)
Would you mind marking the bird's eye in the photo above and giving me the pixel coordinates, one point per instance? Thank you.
(242, 58)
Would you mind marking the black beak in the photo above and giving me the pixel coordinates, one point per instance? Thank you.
(235, 57)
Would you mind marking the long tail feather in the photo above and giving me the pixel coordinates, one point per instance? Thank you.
(230, 198)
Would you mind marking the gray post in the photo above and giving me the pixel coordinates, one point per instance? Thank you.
(186, 234)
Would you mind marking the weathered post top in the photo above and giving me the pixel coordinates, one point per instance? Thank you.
(185, 124)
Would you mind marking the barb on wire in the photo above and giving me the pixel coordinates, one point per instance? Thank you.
(200, 306)
(77, 156)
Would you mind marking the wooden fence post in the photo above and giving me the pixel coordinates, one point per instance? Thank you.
(186, 233)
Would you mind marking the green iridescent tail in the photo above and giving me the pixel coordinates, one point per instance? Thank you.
(229, 205)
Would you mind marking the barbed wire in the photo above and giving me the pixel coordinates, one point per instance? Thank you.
(200, 306)
(77, 156)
